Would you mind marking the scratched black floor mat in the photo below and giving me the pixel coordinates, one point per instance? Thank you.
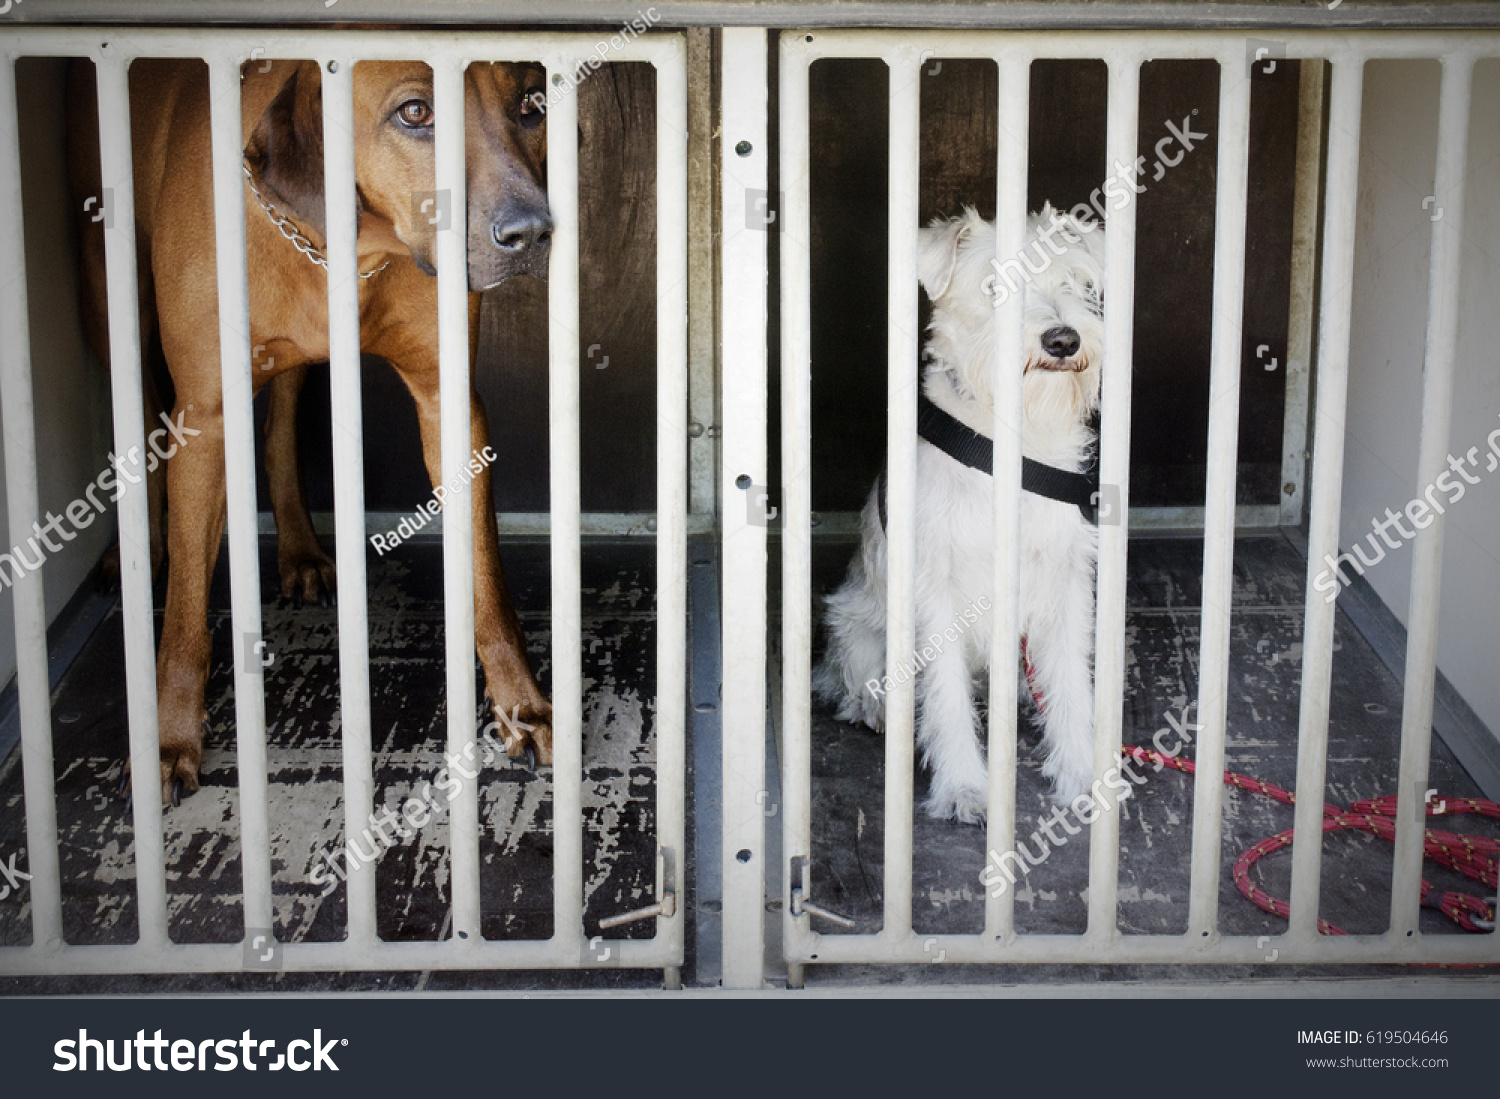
(1163, 611)
(408, 714)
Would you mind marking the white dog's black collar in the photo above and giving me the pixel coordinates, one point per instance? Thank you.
(963, 444)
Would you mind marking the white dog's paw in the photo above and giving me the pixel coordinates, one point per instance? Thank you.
(853, 711)
(1069, 781)
(872, 714)
(967, 805)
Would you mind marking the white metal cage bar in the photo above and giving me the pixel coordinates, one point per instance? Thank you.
(342, 216)
(1325, 498)
(1124, 53)
(454, 387)
(1121, 124)
(1010, 317)
(337, 53)
(672, 489)
(799, 940)
(743, 164)
(23, 510)
(135, 539)
(239, 488)
(1440, 360)
(901, 482)
(567, 620)
(1219, 495)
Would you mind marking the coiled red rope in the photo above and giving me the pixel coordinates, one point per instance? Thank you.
(1475, 857)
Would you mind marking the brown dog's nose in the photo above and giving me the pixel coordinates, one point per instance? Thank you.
(518, 231)
(1060, 342)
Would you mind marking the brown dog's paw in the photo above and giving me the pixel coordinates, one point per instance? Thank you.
(523, 728)
(308, 576)
(179, 774)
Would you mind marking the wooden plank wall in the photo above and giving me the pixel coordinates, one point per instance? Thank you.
(1067, 162)
(848, 136)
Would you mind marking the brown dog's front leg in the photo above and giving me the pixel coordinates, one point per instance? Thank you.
(522, 713)
(307, 573)
(195, 485)
(497, 628)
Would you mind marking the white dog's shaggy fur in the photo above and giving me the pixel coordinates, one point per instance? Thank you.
(1063, 306)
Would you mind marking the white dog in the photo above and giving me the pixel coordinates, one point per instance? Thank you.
(1062, 283)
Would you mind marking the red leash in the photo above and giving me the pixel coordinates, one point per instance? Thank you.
(1475, 857)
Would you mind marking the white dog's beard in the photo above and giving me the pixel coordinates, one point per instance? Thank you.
(1058, 403)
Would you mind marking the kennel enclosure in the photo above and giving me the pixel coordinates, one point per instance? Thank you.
(754, 789)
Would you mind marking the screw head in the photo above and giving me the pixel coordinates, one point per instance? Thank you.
(743, 148)
(1289, 488)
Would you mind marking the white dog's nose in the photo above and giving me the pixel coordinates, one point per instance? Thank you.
(1060, 342)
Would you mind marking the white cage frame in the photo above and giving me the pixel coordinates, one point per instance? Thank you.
(748, 858)
(337, 52)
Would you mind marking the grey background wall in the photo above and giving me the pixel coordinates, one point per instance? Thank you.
(1383, 425)
(71, 393)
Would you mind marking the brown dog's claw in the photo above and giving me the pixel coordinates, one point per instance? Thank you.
(526, 730)
(308, 576)
(177, 785)
(179, 770)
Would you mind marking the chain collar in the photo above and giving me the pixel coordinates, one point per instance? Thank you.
(290, 231)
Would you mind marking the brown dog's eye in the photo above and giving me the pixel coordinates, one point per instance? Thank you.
(414, 114)
(534, 107)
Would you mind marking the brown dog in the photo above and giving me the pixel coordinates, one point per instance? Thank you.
(508, 228)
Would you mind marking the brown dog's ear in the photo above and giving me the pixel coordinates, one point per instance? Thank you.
(285, 151)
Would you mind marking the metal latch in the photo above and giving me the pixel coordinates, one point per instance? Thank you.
(801, 906)
(667, 906)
